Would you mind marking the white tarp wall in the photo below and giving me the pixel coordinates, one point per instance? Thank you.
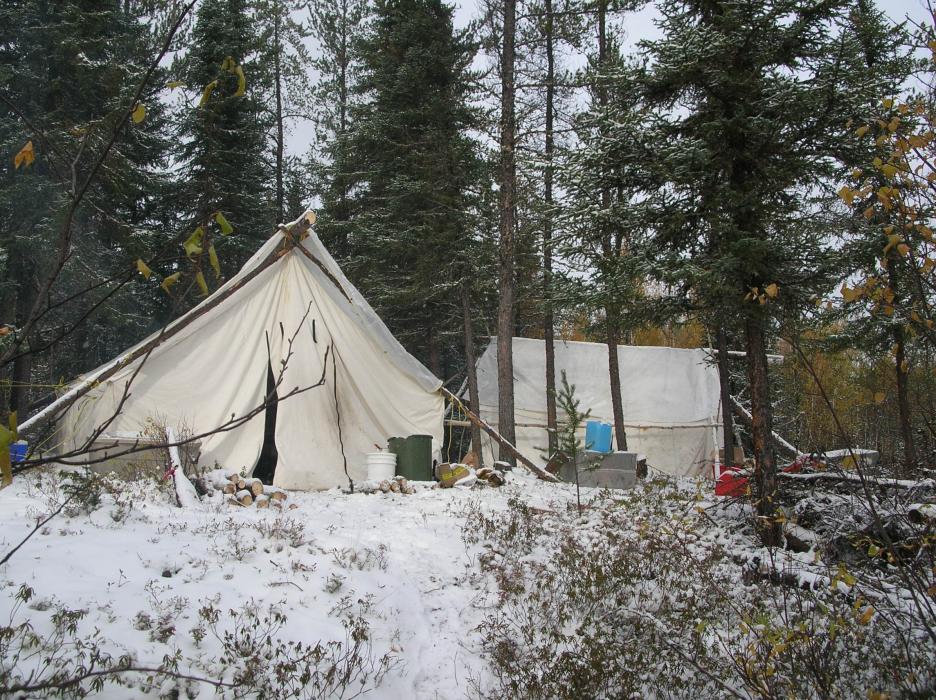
(215, 369)
(670, 398)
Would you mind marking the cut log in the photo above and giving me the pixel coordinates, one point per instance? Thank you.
(263, 501)
(255, 486)
(244, 497)
(500, 440)
(395, 486)
(277, 494)
(384, 486)
(230, 488)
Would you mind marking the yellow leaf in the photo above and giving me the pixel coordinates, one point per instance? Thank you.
(170, 280)
(889, 170)
(887, 102)
(193, 244)
(228, 64)
(173, 84)
(879, 397)
(847, 194)
(226, 227)
(143, 268)
(213, 259)
(209, 88)
(772, 290)
(903, 249)
(25, 157)
(866, 616)
(241, 82)
(202, 285)
(861, 131)
(869, 212)
(139, 113)
(893, 124)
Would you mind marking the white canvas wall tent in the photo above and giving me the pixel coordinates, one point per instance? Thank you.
(211, 366)
(670, 398)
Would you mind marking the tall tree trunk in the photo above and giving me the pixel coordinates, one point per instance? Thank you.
(610, 251)
(277, 77)
(903, 403)
(612, 327)
(901, 367)
(507, 194)
(725, 386)
(548, 320)
(474, 403)
(432, 341)
(345, 60)
(21, 376)
(765, 463)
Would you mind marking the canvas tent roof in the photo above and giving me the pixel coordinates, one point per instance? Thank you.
(670, 398)
(214, 368)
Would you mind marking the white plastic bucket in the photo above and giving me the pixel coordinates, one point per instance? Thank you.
(380, 465)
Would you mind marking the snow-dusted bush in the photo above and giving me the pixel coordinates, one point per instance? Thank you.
(645, 595)
(250, 657)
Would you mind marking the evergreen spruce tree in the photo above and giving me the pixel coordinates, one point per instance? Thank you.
(415, 164)
(225, 152)
(70, 69)
(765, 92)
(336, 27)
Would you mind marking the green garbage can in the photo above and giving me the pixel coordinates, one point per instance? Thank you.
(414, 456)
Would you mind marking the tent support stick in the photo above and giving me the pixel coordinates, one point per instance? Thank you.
(481, 423)
(72, 395)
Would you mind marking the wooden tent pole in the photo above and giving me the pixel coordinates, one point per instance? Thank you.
(481, 423)
(71, 396)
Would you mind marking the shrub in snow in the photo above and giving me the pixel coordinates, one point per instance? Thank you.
(643, 596)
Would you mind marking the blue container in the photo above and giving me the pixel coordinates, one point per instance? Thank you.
(597, 436)
(18, 451)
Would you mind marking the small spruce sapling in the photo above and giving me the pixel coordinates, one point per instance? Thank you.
(569, 442)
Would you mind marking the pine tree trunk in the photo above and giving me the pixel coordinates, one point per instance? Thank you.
(277, 77)
(725, 386)
(903, 380)
(507, 195)
(26, 291)
(474, 403)
(432, 341)
(612, 327)
(765, 464)
(548, 320)
(903, 404)
(610, 250)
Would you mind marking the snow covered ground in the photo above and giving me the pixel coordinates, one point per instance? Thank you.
(465, 592)
(400, 561)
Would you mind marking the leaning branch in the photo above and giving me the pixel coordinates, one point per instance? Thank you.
(500, 440)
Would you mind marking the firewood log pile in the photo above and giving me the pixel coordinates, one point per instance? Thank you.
(398, 484)
(242, 491)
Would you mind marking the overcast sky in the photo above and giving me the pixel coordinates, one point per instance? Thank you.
(638, 26)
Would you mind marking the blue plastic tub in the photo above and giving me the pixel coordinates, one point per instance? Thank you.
(597, 436)
(18, 451)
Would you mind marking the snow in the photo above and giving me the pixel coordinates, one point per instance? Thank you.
(399, 559)
(421, 569)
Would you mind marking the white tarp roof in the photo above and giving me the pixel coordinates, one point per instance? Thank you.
(670, 398)
(216, 369)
